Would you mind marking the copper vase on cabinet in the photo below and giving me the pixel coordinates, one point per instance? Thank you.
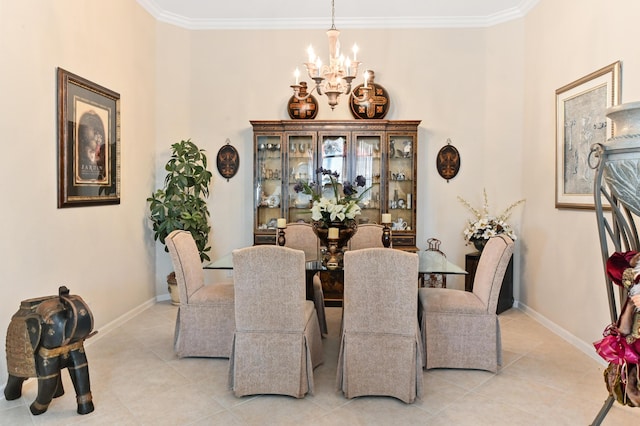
(372, 103)
(305, 109)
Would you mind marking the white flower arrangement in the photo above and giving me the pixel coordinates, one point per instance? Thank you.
(330, 210)
(485, 225)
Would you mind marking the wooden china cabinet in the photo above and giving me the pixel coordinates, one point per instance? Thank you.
(383, 151)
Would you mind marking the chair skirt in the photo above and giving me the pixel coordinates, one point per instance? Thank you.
(380, 364)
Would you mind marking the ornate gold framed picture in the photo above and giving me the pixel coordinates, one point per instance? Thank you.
(88, 142)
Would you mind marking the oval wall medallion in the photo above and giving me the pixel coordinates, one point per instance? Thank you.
(228, 161)
(448, 161)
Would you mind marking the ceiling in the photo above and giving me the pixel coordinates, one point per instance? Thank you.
(294, 14)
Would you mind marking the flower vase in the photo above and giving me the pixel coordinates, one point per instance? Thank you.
(346, 230)
(622, 167)
(479, 243)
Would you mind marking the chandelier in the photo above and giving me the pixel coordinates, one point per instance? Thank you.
(332, 79)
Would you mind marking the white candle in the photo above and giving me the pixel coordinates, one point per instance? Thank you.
(282, 223)
(296, 73)
(386, 218)
(355, 52)
(348, 65)
(366, 79)
(312, 55)
(333, 233)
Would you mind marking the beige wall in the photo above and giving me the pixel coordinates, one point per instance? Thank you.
(563, 280)
(491, 90)
(105, 254)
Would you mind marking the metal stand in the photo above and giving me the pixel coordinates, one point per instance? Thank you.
(617, 229)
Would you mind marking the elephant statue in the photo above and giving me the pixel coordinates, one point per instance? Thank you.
(46, 335)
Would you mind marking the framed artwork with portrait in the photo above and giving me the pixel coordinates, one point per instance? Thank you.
(88, 142)
(581, 122)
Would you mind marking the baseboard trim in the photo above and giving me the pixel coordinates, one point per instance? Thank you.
(583, 347)
(107, 328)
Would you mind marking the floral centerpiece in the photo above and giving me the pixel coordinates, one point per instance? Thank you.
(334, 212)
(329, 211)
(485, 226)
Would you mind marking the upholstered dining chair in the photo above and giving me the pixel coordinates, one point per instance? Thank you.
(300, 236)
(380, 349)
(277, 341)
(369, 235)
(460, 329)
(206, 319)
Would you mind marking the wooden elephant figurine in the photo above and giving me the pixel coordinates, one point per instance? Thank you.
(46, 335)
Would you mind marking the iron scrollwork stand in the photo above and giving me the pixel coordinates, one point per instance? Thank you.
(617, 231)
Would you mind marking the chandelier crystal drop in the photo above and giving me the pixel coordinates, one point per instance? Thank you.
(334, 78)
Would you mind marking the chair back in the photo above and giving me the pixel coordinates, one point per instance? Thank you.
(491, 269)
(186, 263)
(300, 236)
(270, 288)
(381, 291)
(369, 235)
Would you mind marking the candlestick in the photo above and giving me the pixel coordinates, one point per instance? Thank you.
(386, 236)
(282, 223)
(386, 217)
(333, 233)
(281, 239)
(296, 73)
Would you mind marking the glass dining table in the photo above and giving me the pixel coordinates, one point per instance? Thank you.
(431, 263)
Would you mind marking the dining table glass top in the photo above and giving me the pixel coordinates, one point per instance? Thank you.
(431, 262)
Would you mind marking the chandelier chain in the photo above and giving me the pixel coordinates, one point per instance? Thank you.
(333, 15)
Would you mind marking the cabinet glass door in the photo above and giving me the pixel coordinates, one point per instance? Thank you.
(268, 182)
(333, 156)
(301, 167)
(401, 177)
(367, 164)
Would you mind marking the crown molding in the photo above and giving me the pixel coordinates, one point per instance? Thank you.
(405, 22)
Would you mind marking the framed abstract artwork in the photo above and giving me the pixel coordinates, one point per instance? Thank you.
(88, 142)
(581, 122)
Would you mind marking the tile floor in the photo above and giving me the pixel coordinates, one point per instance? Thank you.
(137, 380)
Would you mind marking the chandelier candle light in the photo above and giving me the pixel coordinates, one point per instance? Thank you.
(333, 79)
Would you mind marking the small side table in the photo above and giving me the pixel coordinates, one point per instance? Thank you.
(505, 300)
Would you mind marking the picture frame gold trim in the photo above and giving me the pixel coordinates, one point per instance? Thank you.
(88, 142)
(580, 123)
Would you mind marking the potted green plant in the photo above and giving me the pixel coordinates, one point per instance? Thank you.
(181, 203)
